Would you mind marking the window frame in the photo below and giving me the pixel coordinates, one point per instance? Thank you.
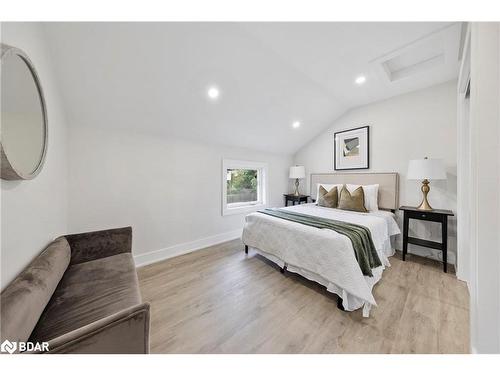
(262, 187)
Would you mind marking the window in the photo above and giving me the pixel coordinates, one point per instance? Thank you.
(243, 186)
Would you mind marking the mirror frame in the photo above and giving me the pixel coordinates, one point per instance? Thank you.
(8, 172)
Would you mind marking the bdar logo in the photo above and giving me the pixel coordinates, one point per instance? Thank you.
(8, 346)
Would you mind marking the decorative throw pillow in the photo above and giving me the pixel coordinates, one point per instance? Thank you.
(371, 195)
(328, 187)
(354, 201)
(328, 198)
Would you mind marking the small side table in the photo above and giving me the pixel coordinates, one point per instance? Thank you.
(295, 198)
(439, 216)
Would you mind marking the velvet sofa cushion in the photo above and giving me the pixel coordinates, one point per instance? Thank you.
(88, 292)
(24, 299)
(95, 245)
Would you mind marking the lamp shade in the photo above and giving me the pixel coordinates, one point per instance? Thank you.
(297, 172)
(426, 169)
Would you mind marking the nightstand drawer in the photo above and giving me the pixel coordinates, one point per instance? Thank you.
(295, 198)
(429, 216)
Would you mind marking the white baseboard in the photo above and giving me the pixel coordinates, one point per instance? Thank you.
(184, 248)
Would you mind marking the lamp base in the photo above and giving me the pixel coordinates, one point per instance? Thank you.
(296, 192)
(425, 206)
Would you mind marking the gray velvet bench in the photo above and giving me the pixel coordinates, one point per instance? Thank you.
(79, 295)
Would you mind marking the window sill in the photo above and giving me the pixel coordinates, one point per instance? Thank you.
(242, 209)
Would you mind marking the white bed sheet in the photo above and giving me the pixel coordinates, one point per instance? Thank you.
(323, 255)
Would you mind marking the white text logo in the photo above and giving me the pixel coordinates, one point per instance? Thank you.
(10, 347)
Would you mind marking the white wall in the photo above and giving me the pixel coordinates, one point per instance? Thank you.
(34, 212)
(167, 189)
(484, 283)
(410, 126)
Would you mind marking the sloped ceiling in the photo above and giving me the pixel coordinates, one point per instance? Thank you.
(153, 77)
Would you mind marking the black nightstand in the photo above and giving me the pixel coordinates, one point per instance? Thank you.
(295, 198)
(438, 216)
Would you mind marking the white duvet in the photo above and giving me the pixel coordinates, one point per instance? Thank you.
(323, 255)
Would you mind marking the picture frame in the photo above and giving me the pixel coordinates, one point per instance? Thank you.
(351, 149)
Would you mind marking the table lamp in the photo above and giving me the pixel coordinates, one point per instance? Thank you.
(425, 170)
(297, 172)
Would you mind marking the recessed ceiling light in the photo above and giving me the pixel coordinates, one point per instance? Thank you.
(213, 92)
(360, 80)
(296, 124)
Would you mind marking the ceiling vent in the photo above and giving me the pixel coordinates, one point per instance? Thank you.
(428, 54)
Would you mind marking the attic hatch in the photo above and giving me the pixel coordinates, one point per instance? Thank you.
(430, 53)
(420, 58)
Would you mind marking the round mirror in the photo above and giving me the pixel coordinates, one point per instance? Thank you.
(23, 135)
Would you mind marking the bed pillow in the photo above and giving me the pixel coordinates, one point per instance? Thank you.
(327, 187)
(328, 199)
(354, 201)
(370, 193)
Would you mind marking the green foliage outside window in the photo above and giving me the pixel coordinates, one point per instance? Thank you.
(240, 180)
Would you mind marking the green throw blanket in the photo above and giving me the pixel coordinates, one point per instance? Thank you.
(360, 236)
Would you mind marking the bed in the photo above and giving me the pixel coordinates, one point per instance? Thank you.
(323, 255)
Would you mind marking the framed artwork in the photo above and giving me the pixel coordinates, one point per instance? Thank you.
(351, 149)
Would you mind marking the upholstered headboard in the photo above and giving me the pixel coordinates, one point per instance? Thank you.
(388, 191)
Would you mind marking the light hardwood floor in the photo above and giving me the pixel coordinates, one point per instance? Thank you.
(219, 300)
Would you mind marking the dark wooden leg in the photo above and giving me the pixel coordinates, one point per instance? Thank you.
(406, 220)
(286, 202)
(339, 303)
(283, 269)
(246, 249)
(444, 234)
